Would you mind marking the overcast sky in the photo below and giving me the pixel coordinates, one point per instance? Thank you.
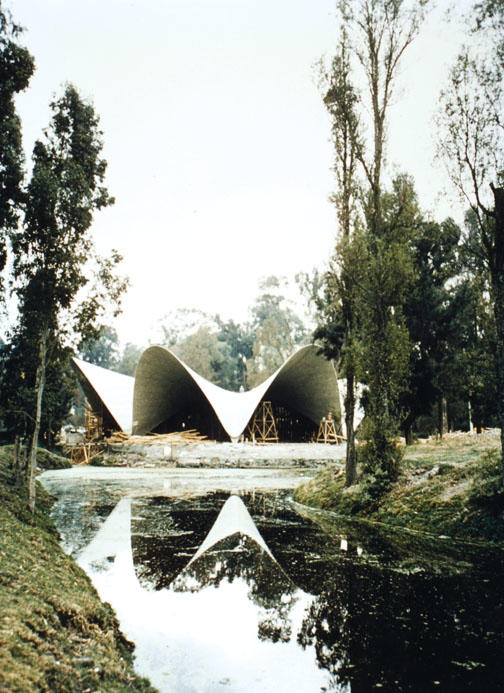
(216, 137)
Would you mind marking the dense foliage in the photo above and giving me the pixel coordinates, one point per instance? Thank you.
(471, 144)
(232, 355)
(64, 291)
(410, 308)
(16, 69)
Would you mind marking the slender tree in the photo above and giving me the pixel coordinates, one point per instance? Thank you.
(16, 69)
(103, 349)
(338, 332)
(237, 340)
(53, 247)
(130, 357)
(471, 143)
(430, 319)
(201, 351)
(378, 32)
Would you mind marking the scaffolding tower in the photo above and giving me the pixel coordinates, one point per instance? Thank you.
(93, 423)
(327, 431)
(263, 427)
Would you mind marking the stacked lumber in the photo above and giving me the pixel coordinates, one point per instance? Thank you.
(189, 436)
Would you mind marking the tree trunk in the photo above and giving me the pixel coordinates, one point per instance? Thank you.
(499, 315)
(499, 359)
(39, 385)
(471, 427)
(442, 416)
(23, 462)
(408, 431)
(497, 277)
(351, 457)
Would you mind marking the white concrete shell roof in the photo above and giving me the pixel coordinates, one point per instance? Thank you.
(164, 385)
(104, 388)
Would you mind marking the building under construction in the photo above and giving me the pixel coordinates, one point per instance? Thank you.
(166, 396)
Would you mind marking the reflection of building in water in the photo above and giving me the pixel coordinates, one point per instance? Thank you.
(387, 617)
(234, 550)
(166, 395)
(238, 558)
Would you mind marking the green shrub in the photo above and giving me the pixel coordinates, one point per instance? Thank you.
(381, 459)
(488, 487)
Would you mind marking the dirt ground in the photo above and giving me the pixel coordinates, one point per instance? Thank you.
(211, 454)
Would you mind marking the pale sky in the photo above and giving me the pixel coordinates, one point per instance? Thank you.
(216, 137)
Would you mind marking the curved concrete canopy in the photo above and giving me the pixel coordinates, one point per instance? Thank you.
(108, 389)
(165, 385)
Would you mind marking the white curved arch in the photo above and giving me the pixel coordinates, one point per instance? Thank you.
(112, 390)
(164, 384)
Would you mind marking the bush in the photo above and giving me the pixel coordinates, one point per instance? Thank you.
(380, 459)
(488, 487)
(50, 460)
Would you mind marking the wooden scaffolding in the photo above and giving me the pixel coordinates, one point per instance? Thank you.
(327, 432)
(84, 452)
(263, 427)
(93, 423)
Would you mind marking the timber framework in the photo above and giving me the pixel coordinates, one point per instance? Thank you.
(166, 395)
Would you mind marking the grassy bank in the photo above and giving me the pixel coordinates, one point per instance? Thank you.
(55, 633)
(448, 486)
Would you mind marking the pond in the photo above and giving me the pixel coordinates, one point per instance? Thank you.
(290, 599)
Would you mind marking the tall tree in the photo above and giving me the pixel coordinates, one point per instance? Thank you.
(489, 15)
(103, 349)
(202, 352)
(385, 344)
(379, 32)
(51, 250)
(471, 143)
(471, 370)
(16, 68)
(216, 349)
(129, 359)
(277, 330)
(338, 332)
(180, 323)
(237, 342)
(430, 318)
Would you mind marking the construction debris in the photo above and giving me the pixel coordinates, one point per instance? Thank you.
(85, 452)
(189, 436)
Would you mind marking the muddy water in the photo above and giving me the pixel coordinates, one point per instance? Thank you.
(330, 606)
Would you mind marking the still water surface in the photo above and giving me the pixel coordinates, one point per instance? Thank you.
(333, 605)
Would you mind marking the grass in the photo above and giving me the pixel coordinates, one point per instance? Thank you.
(450, 487)
(55, 633)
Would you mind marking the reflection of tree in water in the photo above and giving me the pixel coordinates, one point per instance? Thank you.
(416, 632)
(238, 557)
(166, 533)
(369, 624)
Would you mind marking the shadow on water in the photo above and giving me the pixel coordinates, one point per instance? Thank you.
(337, 606)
